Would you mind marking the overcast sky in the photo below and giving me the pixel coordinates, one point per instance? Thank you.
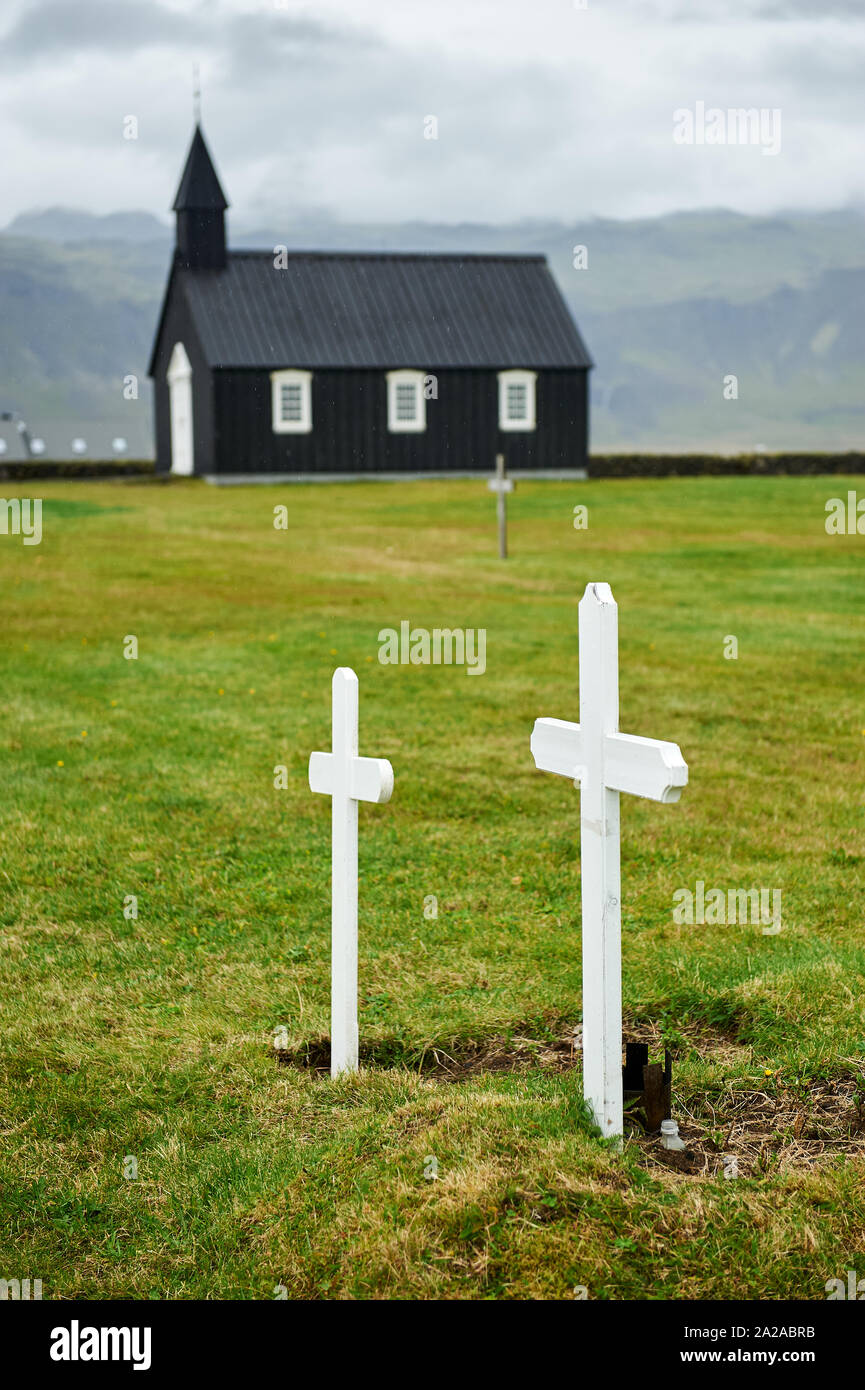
(544, 109)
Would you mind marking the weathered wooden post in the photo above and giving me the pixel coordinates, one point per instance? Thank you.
(501, 485)
(346, 779)
(603, 763)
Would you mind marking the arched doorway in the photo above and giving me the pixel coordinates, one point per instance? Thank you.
(180, 404)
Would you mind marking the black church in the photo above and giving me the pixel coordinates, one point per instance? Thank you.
(277, 364)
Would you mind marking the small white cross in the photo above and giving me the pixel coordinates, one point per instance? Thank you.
(347, 779)
(603, 763)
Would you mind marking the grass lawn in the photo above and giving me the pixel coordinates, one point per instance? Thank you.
(152, 1038)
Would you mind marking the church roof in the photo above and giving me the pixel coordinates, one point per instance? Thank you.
(199, 187)
(380, 310)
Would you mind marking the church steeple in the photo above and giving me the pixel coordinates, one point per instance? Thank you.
(200, 206)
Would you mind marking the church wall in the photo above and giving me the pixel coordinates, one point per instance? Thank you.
(350, 434)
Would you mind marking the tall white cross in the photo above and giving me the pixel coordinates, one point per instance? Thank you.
(603, 763)
(346, 779)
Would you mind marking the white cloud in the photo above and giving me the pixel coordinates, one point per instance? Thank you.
(544, 110)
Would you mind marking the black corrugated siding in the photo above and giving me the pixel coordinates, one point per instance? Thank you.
(350, 435)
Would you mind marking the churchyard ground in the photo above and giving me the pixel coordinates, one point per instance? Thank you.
(168, 1128)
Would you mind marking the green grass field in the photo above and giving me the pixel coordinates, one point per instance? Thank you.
(153, 1038)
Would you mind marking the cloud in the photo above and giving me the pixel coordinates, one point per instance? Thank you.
(543, 110)
(747, 11)
(51, 27)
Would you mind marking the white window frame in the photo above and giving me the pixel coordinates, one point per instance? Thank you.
(406, 377)
(518, 378)
(291, 376)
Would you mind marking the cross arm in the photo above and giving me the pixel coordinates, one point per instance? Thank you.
(321, 773)
(557, 746)
(647, 767)
(370, 779)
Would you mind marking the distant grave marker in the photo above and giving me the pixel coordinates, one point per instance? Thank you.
(501, 485)
(603, 763)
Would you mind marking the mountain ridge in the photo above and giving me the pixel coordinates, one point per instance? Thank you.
(669, 307)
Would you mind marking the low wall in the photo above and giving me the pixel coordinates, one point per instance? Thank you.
(600, 466)
(739, 465)
(21, 470)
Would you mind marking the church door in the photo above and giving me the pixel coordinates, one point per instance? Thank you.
(180, 402)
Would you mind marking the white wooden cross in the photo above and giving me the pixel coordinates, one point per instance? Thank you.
(603, 763)
(346, 779)
(501, 485)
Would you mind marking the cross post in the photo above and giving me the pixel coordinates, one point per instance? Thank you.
(603, 763)
(501, 485)
(346, 779)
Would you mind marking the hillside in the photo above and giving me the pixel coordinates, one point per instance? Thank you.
(668, 306)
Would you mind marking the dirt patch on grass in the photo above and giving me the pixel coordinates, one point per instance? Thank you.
(458, 1061)
(517, 1050)
(753, 1133)
(745, 1132)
